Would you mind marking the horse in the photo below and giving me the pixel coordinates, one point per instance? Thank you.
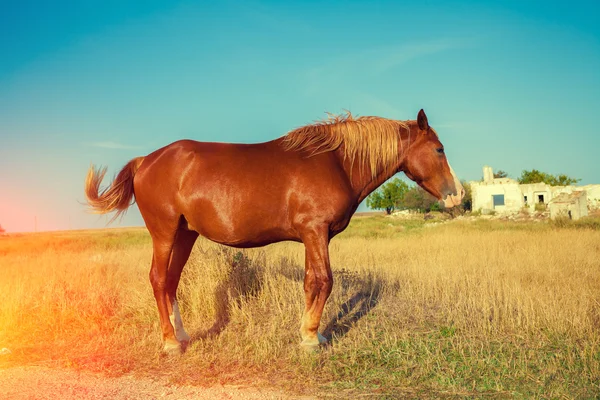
(304, 187)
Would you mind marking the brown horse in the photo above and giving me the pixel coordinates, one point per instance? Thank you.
(304, 187)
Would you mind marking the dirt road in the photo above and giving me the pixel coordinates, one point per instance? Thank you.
(44, 383)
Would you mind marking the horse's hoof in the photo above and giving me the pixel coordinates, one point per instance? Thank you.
(311, 345)
(309, 348)
(173, 349)
(322, 339)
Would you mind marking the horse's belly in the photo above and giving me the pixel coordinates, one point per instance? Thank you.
(240, 229)
(245, 238)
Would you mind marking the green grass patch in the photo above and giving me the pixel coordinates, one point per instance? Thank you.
(381, 226)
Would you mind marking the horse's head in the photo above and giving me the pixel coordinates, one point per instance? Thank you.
(425, 163)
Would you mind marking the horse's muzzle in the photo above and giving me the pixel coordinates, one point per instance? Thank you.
(454, 199)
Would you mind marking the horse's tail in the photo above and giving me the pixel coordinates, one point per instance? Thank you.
(118, 196)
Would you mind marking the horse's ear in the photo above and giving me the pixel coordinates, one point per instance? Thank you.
(422, 121)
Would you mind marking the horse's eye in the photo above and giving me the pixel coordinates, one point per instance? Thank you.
(440, 150)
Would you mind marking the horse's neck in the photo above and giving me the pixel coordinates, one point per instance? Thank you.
(362, 180)
(365, 186)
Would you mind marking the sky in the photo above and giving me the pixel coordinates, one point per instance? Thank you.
(510, 84)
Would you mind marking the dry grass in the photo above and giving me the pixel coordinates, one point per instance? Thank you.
(465, 309)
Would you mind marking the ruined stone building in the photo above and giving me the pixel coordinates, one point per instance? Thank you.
(506, 195)
(572, 205)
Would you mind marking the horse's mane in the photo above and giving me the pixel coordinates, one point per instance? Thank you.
(371, 141)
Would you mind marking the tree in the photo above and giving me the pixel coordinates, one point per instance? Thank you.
(535, 176)
(1, 230)
(420, 200)
(500, 174)
(389, 196)
(564, 180)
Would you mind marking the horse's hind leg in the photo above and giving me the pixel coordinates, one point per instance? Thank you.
(171, 251)
(162, 248)
(184, 242)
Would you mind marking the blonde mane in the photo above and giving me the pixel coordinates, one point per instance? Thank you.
(371, 141)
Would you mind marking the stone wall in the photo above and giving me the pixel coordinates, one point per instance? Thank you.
(483, 192)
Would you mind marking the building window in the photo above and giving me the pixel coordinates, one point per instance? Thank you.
(541, 198)
(498, 200)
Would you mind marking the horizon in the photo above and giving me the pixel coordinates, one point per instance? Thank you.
(514, 85)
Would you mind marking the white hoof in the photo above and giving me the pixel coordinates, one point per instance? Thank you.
(312, 344)
(172, 348)
(309, 347)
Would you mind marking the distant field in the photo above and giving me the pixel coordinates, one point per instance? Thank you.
(464, 308)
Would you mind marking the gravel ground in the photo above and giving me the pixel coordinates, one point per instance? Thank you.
(44, 383)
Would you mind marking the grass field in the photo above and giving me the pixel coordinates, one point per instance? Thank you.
(464, 308)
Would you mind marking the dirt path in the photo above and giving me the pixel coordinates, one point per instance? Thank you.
(44, 383)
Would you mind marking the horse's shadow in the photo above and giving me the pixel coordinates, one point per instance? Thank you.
(244, 279)
(367, 292)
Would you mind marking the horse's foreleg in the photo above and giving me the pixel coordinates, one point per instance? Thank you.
(318, 282)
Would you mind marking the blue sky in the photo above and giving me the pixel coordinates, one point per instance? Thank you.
(512, 84)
